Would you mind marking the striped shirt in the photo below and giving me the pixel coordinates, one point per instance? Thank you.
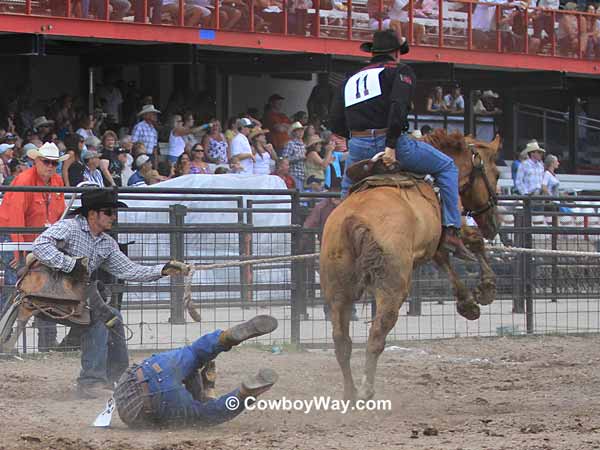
(75, 239)
(94, 176)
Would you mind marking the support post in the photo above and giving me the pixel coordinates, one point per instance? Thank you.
(177, 215)
(298, 291)
(529, 267)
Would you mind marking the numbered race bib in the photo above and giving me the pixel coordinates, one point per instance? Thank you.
(362, 86)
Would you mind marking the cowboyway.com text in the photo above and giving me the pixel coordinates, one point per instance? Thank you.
(316, 403)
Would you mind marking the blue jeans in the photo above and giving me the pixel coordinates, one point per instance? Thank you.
(165, 373)
(172, 158)
(103, 352)
(414, 156)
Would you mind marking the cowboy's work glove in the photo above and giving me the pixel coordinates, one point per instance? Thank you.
(175, 268)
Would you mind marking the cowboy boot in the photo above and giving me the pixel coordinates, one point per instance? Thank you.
(254, 327)
(259, 383)
(451, 242)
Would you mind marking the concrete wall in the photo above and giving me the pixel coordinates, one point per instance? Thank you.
(253, 91)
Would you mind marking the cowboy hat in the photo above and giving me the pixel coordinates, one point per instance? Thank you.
(296, 126)
(533, 146)
(490, 93)
(416, 134)
(96, 199)
(385, 41)
(41, 121)
(257, 132)
(47, 151)
(313, 140)
(148, 109)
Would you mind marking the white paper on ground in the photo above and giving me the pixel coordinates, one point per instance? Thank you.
(105, 417)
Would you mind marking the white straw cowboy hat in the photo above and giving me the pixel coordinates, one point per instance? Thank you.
(416, 134)
(47, 151)
(296, 126)
(148, 109)
(533, 146)
(41, 121)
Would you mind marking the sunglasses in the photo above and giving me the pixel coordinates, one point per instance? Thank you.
(197, 150)
(50, 162)
(108, 211)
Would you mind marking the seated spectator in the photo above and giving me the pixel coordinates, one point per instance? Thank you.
(110, 166)
(568, 32)
(16, 166)
(152, 177)
(264, 154)
(550, 183)
(295, 153)
(91, 173)
(393, 16)
(138, 149)
(282, 170)
(215, 143)
(240, 146)
(543, 24)
(126, 143)
(484, 103)
(198, 164)
(183, 165)
(454, 101)
(235, 166)
(165, 170)
(221, 170)
(425, 130)
(86, 128)
(144, 166)
(314, 164)
(515, 29)
(126, 160)
(484, 24)
(73, 168)
(314, 184)
(6, 154)
(193, 14)
(435, 101)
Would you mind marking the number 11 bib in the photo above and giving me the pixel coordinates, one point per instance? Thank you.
(362, 86)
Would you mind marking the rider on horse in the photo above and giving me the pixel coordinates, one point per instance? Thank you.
(372, 111)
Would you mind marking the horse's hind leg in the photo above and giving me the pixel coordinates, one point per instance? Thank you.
(388, 305)
(341, 312)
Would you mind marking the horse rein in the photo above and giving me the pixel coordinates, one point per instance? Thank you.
(478, 169)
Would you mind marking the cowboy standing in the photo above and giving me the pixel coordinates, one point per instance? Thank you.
(531, 171)
(372, 111)
(165, 389)
(145, 131)
(33, 209)
(65, 246)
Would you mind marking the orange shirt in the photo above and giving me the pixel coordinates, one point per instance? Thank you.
(277, 138)
(31, 209)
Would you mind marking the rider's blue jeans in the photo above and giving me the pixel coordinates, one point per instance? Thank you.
(165, 373)
(414, 156)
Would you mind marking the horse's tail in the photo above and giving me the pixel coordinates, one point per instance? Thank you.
(369, 260)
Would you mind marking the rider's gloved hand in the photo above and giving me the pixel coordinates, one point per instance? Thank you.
(176, 268)
(389, 156)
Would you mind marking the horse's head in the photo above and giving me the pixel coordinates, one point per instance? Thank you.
(478, 182)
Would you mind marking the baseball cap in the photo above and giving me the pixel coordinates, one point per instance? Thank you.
(141, 160)
(29, 146)
(245, 122)
(5, 147)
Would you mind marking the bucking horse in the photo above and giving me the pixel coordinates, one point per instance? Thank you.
(375, 238)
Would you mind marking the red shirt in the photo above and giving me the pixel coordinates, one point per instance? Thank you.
(277, 138)
(31, 209)
(289, 181)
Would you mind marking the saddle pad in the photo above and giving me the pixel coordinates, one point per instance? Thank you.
(399, 180)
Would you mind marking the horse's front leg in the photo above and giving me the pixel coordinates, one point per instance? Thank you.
(465, 304)
(485, 293)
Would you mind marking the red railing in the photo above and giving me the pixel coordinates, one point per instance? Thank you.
(458, 24)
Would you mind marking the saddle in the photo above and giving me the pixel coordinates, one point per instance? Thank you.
(54, 294)
(370, 173)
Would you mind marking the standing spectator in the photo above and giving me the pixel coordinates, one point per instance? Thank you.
(198, 165)
(435, 101)
(514, 168)
(91, 172)
(531, 171)
(542, 21)
(145, 130)
(590, 36)
(193, 13)
(183, 165)
(144, 166)
(295, 152)
(215, 144)
(65, 117)
(277, 122)
(180, 135)
(550, 183)
(110, 166)
(32, 209)
(568, 32)
(231, 130)
(87, 124)
(240, 146)
(43, 128)
(315, 165)
(72, 168)
(264, 155)
(112, 99)
(282, 170)
(454, 101)
(484, 23)
(6, 154)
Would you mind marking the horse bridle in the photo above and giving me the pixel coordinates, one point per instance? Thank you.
(478, 169)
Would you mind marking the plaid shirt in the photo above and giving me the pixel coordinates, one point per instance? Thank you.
(146, 133)
(74, 238)
(529, 177)
(295, 152)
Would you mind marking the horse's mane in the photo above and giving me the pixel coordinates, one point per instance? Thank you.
(452, 144)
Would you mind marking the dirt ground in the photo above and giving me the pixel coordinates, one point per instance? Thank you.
(495, 393)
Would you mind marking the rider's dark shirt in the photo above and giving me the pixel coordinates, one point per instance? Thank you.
(387, 110)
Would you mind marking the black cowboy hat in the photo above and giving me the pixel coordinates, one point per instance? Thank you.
(97, 199)
(385, 41)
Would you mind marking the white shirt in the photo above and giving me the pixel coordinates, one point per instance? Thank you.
(454, 103)
(262, 165)
(550, 4)
(397, 11)
(484, 16)
(551, 182)
(240, 145)
(114, 99)
(176, 145)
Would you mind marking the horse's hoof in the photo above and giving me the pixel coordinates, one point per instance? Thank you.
(485, 293)
(468, 310)
(365, 394)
